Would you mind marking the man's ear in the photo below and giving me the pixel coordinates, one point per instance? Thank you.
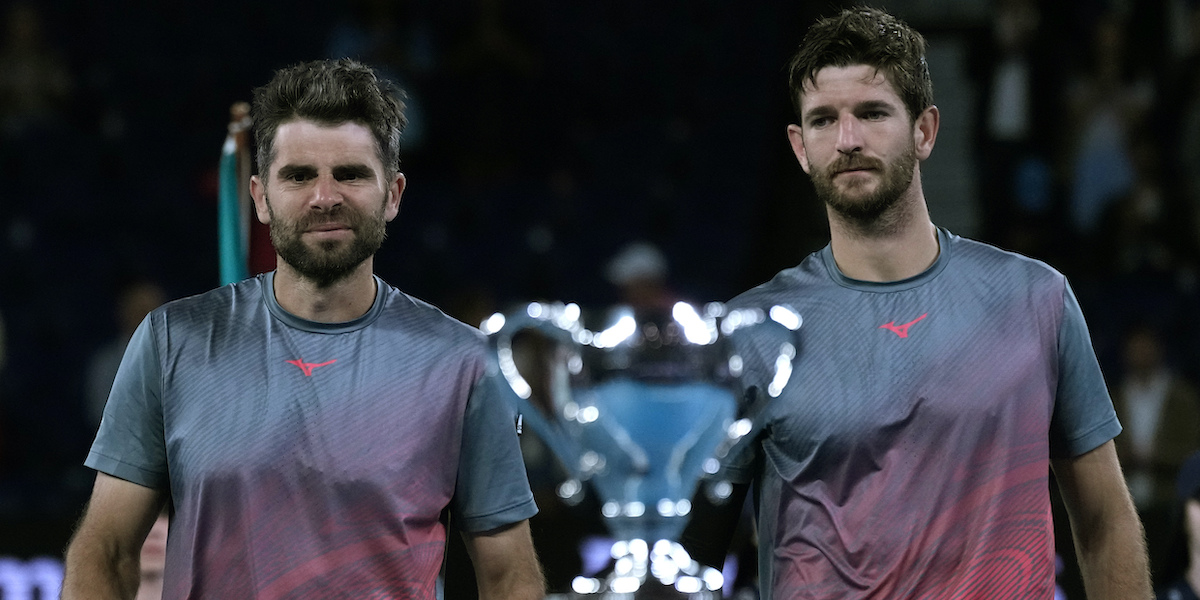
(925, 131)
(796, 139)
(395, 190)
(258, 191)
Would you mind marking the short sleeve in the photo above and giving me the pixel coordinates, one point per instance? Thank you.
(1084, 417)
(130, 443)
(758, 350)
(492, 489)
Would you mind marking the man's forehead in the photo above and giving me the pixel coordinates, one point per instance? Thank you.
(859, 80)
(305, 142)
(863, 74)
(346, 132)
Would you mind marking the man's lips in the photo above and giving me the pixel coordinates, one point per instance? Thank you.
(327, 227)
(854, 170)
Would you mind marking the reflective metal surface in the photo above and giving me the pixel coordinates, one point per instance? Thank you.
(644, 410)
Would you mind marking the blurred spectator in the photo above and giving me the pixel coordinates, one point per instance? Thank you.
(1016, 120)
(1187, 119)
(35, 83)
(1160, 412)
(1187, 493)
(639, 272)
(398, 41)
(1107, 101)
(134, 301)
(1145, 231)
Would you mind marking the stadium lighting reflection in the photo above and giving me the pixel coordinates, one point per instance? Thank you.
(535, 310)
(783, 370)
(508, 368)
(786, 316)
(493, 324)
(585, 585)
(696, 329)
(622, 330)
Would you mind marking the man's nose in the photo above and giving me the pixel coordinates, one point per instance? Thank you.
(326, 194)
(849, 138)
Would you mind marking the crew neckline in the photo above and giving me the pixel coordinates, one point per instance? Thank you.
(900, 285)
(268, 293)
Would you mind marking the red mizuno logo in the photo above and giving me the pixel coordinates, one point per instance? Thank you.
(901, 330)
(308, 367)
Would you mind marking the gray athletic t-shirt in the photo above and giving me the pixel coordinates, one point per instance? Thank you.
(907, 457)
(311, 460)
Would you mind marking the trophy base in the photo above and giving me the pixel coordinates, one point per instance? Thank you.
(639, 571)
(651, 590)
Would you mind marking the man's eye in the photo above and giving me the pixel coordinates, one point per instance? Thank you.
(820, 122)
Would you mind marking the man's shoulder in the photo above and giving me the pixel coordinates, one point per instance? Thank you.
(421, 316)
(989, 256)
(783, 285)
(215, 303)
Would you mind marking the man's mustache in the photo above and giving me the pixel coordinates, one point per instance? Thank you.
(854, 163)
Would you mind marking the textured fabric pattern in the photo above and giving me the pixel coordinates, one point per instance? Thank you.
(309, 460)
(908, 455)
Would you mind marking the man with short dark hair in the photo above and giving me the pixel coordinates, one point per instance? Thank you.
(311, 426)
(936, 379)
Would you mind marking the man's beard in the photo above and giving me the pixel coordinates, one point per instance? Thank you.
(866, 210)
(328, 261)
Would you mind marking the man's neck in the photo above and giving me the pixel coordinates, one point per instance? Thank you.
(343, 300)
(902, 244)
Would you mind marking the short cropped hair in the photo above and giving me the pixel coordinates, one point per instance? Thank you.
(865, 36)
(330, 92)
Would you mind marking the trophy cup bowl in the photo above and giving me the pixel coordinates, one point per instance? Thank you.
(644, 411)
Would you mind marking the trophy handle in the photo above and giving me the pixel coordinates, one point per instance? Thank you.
(778, 326)
(541, 412)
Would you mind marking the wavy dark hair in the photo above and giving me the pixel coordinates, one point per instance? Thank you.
(329, 92)
(865, 36)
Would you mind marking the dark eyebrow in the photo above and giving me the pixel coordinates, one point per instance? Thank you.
(358, 171)
(875, 105)
(867, 105)
(817, 111)
(290, 171)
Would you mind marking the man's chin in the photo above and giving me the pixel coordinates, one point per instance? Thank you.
(859, 207)
(854, 201)
(325, 275)
(856, 187)
(328, 246)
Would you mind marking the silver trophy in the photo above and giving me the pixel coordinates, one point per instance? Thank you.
(646, 411)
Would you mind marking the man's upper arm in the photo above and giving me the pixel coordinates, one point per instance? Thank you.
(102, 559)
(1108, 535)
(1092, 485)
(120, 512)
(506, 565)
